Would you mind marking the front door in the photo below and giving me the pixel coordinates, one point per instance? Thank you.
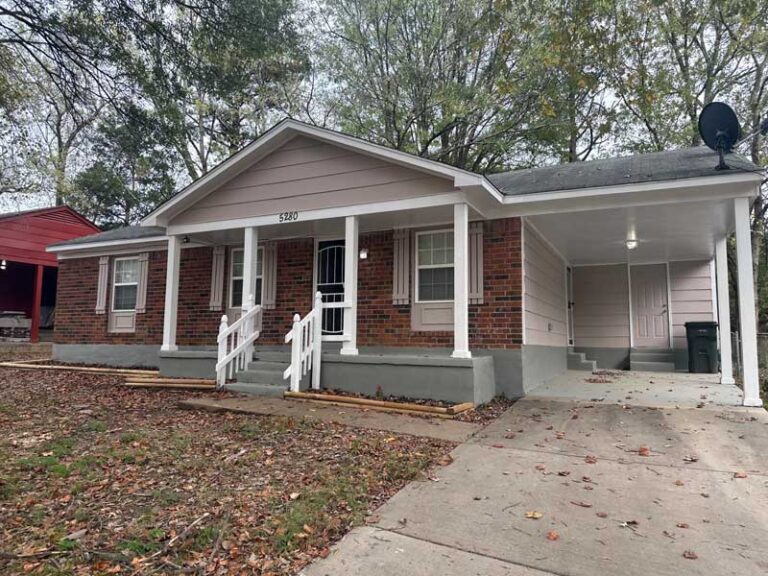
(330, 283)
(649, 306)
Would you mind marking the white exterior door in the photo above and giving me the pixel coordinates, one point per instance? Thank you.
(650, 320)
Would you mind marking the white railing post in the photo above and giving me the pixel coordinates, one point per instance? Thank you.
(221, 373)
(296, 354)
(317, 339)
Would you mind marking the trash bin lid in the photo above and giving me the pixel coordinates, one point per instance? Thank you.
(700, 325)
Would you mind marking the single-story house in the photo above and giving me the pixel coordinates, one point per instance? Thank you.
(28, 271)
(313, 258)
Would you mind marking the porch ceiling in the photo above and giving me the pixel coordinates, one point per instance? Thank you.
(683, 231)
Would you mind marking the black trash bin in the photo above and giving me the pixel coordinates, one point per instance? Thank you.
(702, 347)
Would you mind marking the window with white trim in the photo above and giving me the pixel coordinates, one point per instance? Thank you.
(434, 266)
(236, 267)
(125, 284)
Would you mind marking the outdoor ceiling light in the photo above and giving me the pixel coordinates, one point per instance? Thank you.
(3, 264)
(364, 254)
(631, 243)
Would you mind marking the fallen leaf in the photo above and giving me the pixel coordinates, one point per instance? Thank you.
(601, 515)
(740, 474)
(564, 473)
(533, 514)
(679, 483)
(445, 460)
(690, 555)
(540, 467)
(582, 504)
(644, 451)
(682, 525)
(294, 495)
(690, 459)
(559, 435)
(590, 459)
(552, 536)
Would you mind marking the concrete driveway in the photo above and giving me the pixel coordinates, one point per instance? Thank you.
(652, 487)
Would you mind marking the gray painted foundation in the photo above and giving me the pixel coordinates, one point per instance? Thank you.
(541, 364)
(188, 362)
(607, 358)
(428, 377)
(124, 355)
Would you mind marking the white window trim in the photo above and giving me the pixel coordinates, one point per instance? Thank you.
(115, 284)
(418, 299)
(231, 277)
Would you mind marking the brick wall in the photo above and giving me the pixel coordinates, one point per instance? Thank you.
(497, 323)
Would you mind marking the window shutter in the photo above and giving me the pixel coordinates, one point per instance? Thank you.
(141, 289)
(101, 290)
(269, 276)
(401, 266)
(217, 279)
(476, 263)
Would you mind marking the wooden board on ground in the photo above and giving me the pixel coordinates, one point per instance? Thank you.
(114, 371)
(441, 411)
(175, 385)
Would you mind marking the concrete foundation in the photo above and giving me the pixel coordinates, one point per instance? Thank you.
(541, 364)
(427, 377)
(124, 355)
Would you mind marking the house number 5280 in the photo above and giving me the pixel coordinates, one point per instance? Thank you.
(289, 216)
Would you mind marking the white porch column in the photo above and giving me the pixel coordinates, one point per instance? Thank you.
(351, 227)
(171, 293)
(461, 281)
(724, 311)
(250, 256)
(747, 319)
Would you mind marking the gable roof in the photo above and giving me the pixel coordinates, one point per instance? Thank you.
(64, 214)
(652, 167)
(281, 133)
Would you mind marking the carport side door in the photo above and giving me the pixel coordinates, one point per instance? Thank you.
(649, 306)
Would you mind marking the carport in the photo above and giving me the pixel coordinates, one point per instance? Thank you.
(645, 243)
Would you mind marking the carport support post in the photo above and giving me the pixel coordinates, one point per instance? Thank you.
(747, 319)
(171, 293)
(461, 281)
(351, 228)
(724, 311)
(37, 295)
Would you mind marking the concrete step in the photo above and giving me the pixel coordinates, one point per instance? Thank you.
(272, 356)
(257, 374)
(255, 389)
(651, 366)
(578, 361)
(272, 366)
(652, 356)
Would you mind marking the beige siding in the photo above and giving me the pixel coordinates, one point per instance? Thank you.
(307, 174)
(691, 290)
(601, 306)
(544, 285)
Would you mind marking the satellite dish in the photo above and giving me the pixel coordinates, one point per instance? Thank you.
(720, 130)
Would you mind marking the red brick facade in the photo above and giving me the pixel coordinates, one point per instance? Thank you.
(497, 323)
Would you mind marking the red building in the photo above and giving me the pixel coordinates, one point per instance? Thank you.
(27, 272)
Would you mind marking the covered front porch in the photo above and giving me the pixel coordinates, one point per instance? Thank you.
(336, 302)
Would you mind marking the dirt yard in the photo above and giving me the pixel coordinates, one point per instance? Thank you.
(99, 479)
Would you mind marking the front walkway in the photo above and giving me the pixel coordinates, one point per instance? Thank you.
(614, 486)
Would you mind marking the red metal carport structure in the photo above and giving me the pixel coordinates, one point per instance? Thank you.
(24, 236)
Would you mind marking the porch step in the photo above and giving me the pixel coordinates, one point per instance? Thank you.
(257, 389)
(258, 374)
(272, 356)
(652, 359)
(578, 361)
(643, 366)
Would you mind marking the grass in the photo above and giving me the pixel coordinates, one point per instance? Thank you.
(279, 491)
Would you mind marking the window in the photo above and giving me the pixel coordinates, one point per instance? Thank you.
(236, 277)
(125, 284)
(434, 266)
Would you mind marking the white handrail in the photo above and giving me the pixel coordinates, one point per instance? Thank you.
(306, 337)
(235, 343)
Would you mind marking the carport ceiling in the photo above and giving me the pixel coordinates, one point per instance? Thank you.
(683, 231)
